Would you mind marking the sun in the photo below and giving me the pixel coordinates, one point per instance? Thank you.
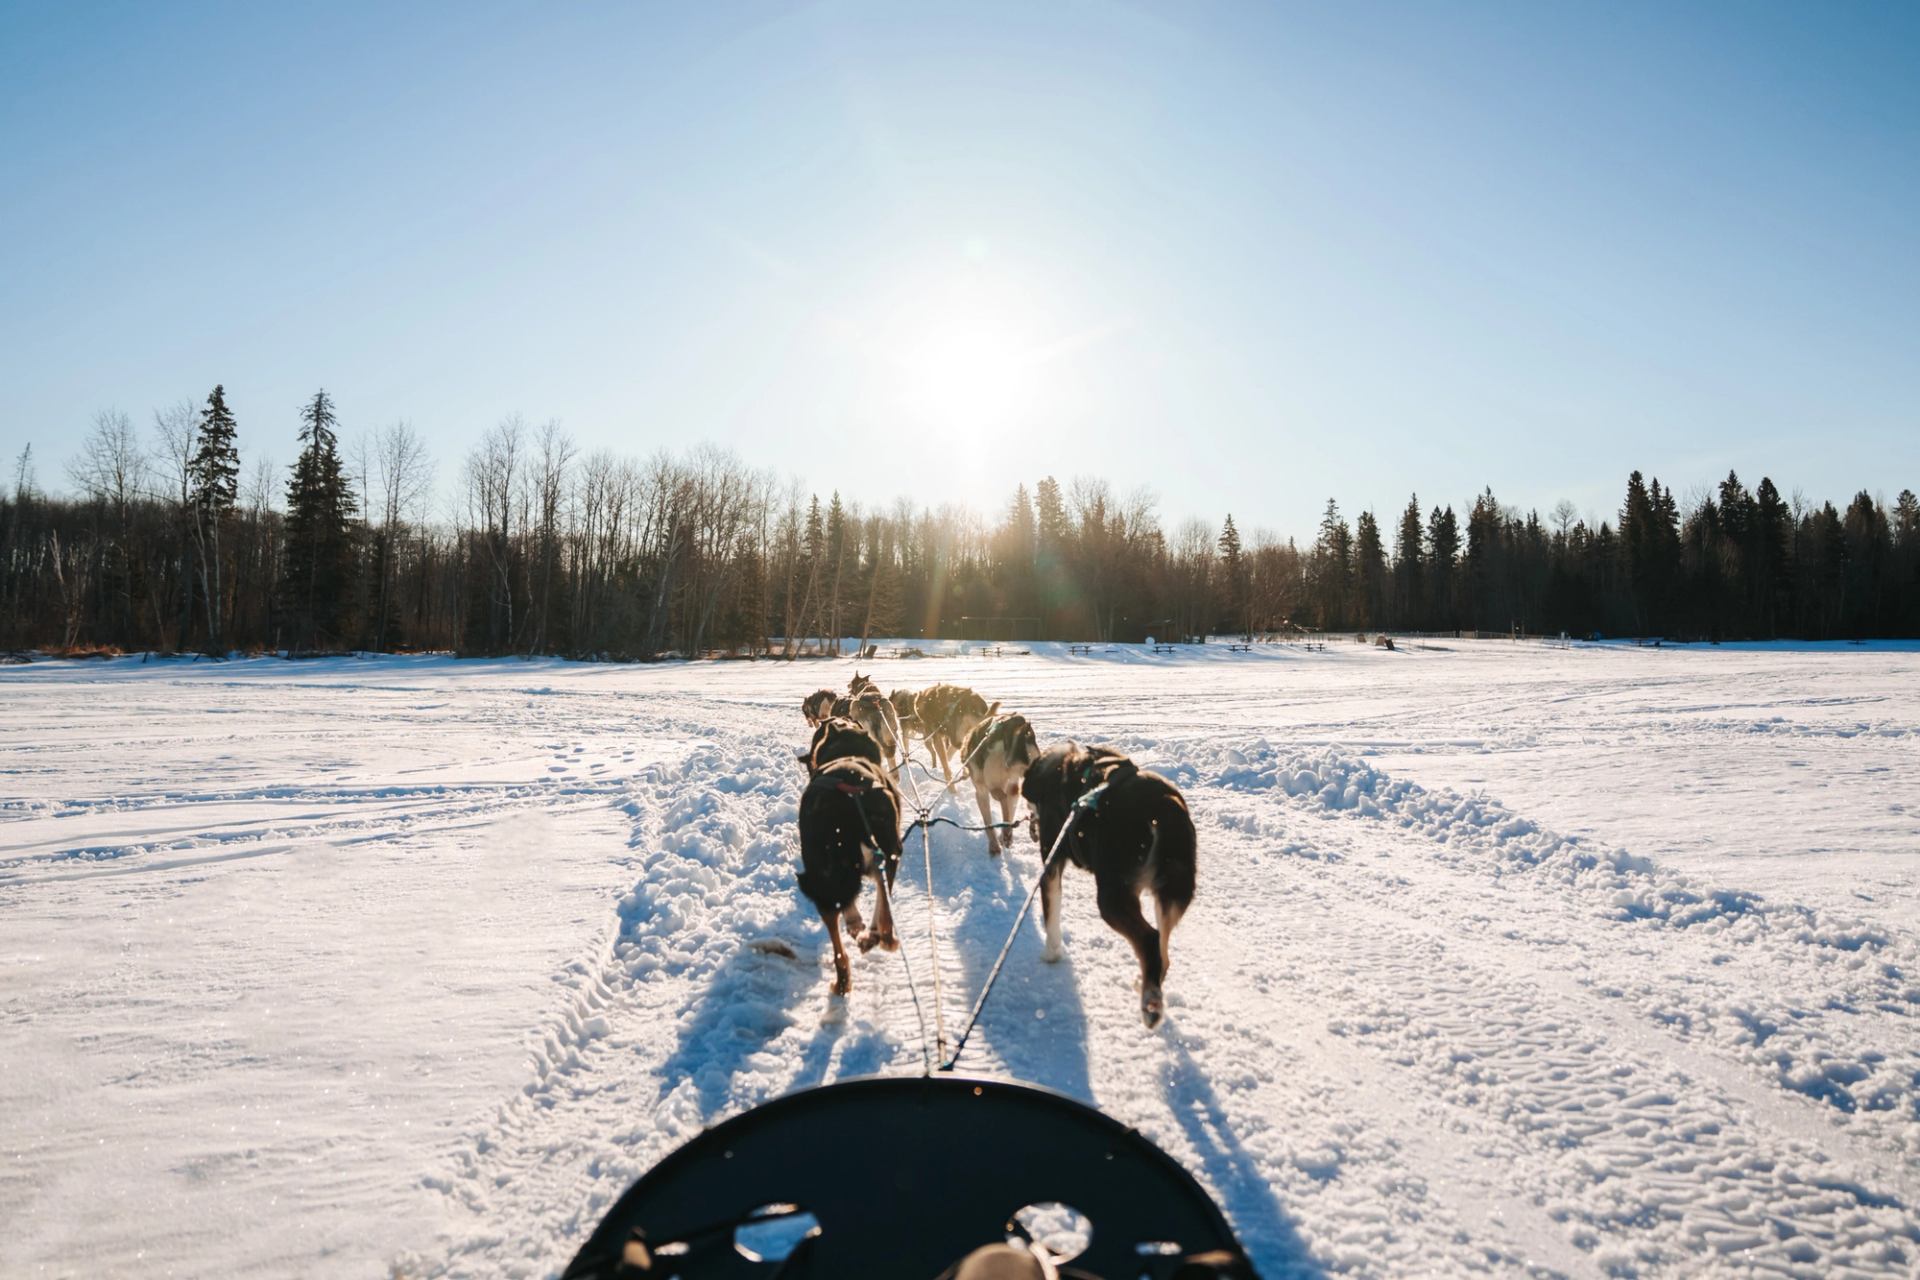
(968, 373)
(964, 343)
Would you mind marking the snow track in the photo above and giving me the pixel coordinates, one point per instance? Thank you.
(533, 923)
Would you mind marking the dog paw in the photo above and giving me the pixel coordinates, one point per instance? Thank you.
(1052, 953)
(1152, 1007)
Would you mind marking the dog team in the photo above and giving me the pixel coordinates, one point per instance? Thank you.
(1130, 826)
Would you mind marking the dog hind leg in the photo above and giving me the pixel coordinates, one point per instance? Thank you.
(881, 935)
(985, 801)
(842, 968)
(1166, 914)
(1120, 908)
(1050, 913)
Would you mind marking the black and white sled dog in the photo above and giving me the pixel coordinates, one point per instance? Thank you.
(1133, 831)
(822, 705)
(849, 833)
(997, 752)
(838, 738)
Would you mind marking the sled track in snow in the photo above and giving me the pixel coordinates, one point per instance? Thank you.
(1407, 1029)
(1410, 1029)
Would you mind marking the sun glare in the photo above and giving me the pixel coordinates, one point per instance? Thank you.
(966, 373)
(966, 347)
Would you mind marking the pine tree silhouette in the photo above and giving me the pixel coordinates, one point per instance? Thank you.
(319, 544)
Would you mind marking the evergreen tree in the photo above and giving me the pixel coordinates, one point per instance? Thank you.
(319, 547)
(1484, 568)
(836, 566)
(1233, 566)
(1409, 568)
(1370, 583)
(1015, 547)
(1906, 562)
(1332, 569)
(213, 476)
(1053, 545)
(1443, 551)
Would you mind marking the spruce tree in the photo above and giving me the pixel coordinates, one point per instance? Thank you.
(320, 511)
(1443, 550)
(1233, 564)
(1332, 567)
(213, 474)
(1369, 572)
(1408, 566)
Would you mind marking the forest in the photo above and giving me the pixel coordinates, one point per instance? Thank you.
(158, 543)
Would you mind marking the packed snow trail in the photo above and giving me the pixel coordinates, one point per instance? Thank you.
(1411, 1028)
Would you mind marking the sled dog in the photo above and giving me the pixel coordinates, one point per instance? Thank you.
(870, 710)
(818, 706)
(1133, 831)
(947, 714)
(997, 754)
(838, 738)
(849, 833)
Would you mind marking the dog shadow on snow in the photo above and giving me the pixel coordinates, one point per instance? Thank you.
(1262, 1224)
(1034, 1022)
(751, 999)
(756, 995)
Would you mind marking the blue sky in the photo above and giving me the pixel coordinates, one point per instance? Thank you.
(1249, 256)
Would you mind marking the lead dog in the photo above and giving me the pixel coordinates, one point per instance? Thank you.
(1131, 829)
(998, 752)
(850, 832)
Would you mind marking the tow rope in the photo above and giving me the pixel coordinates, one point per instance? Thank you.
(925, 820)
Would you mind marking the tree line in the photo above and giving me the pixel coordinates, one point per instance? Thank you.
(160, 545)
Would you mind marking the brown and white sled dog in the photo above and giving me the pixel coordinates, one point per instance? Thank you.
(903, 714)
(1133, 831)
(850, 833)
(997, 754)
(947, 714)
(871, 711)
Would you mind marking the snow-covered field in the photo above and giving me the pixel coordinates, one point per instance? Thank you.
(1505, 958)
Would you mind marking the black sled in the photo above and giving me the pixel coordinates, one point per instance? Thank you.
(919, 1178)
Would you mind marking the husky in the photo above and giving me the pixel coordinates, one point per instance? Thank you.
(872, 712)
(850, 832)
(902, 700)
(838, 738)
(819, 706)
(1131, 828)
(946, 714)
(997, 754)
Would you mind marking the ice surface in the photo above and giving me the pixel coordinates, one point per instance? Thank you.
(1505, 959)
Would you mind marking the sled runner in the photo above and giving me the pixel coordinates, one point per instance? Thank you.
(895, 1176)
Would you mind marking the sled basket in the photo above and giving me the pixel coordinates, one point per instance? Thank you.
(904, 1177)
